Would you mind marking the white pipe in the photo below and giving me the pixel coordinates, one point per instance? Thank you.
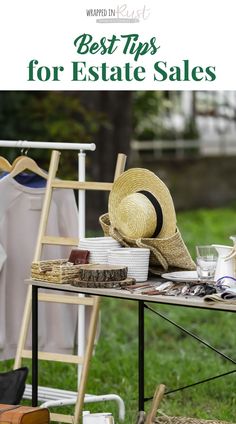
(81, 222)
(89, 399)
(81, 198)
(24, 144)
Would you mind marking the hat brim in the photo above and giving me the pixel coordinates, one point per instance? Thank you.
(136, 180)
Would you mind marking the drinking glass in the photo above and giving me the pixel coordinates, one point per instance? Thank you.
(206, 262)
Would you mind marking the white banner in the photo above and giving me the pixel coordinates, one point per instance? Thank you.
(116, 45)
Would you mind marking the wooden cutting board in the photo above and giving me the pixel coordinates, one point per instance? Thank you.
(102, 276)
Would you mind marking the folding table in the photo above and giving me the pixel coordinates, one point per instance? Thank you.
(186, 301)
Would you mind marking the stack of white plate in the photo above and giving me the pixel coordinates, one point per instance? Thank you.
(136, 259)
(98, 248)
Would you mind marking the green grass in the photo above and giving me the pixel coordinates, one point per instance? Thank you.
(207, 226)
(171, 357)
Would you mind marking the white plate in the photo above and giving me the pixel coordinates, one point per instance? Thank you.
(181, 276)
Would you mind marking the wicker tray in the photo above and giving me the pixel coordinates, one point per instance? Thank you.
(54, 271)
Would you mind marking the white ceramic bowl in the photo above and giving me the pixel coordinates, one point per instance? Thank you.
(137, 261)
(98, 248)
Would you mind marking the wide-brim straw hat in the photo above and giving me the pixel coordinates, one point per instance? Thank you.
(142, 214)
(140, 205)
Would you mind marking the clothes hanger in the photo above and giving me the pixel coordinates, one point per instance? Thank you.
(23, 163)
(5, 165)
(17, 160)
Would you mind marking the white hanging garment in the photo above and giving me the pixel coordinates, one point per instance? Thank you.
(3, 256)
(20, 210)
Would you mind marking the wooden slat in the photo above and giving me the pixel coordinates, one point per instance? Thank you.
(46, 204)
(120, 165)
(65, 241)
(37, 255)
(83, 185)
(87, 357)
(73, 300)
(58, 357)
(61, 418)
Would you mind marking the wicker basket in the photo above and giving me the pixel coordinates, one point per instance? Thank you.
(54, 271)
(185, 420)
(152, 417)
(142, 419)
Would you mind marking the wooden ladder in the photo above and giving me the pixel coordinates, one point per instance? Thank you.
(92, 301)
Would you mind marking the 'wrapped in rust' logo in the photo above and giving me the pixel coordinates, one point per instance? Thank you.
(120, 14)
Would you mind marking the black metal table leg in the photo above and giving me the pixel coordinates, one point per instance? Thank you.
(141, 354)
(34, 346)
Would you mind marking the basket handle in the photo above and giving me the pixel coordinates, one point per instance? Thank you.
(157, 398)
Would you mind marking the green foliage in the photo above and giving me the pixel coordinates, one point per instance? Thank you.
(47, 116)
(61, 116)
(51, 116)
(190, 132)
(147, 109)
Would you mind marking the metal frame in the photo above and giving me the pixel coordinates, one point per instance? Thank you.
(141, 299)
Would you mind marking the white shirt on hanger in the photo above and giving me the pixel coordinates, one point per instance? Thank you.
(20, 210)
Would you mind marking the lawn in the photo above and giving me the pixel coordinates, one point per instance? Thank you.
(171, 357)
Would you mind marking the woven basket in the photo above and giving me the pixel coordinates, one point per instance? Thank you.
(163, 418)
(142, 419)
(185, 420)
(54, 271)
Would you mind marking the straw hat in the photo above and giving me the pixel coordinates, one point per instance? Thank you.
(140, 206)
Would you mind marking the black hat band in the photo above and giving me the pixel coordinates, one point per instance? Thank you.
(158, 211)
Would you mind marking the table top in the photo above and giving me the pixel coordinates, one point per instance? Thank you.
(187, 301)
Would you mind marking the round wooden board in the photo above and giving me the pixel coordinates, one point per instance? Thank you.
(99, 273)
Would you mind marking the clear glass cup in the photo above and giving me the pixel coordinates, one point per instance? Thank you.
(206, 260)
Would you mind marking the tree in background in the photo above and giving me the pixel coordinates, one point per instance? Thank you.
(46, 116)
(113, 137)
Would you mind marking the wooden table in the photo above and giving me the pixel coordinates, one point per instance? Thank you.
(186, 301)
